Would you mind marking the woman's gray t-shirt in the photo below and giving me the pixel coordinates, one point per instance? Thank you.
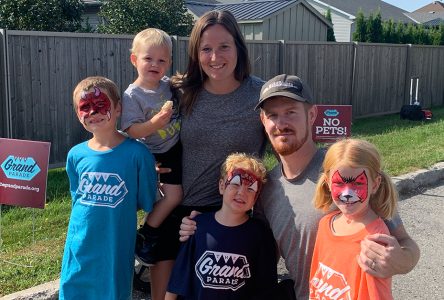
(218, 126)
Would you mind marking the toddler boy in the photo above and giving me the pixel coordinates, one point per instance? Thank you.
(150, 114)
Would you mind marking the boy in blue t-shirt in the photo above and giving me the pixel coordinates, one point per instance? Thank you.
(110, 177)
(230, 256)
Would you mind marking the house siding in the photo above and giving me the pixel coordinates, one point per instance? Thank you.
(251, 31)
(342, 25)
(296, 23)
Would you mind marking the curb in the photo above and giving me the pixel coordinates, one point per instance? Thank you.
(45, 291)
(418, 179)
(404, 184)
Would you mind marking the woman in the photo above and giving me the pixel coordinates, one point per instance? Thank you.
(218, 118)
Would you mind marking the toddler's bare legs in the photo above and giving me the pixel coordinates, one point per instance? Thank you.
(172, 198)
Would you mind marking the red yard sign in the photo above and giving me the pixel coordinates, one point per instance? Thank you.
(332, 123)
(23, 172)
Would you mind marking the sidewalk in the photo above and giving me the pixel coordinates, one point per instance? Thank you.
(407, 183)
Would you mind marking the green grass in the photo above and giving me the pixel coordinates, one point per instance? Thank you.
(33, 256)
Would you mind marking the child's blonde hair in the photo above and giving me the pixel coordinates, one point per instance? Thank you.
(152, 37)
(104, 84)
(357, 153)
(246, 162)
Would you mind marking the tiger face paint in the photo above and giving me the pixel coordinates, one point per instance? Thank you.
(349, 190)
(91, 103)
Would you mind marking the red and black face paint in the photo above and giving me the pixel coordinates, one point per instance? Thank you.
(92, 103)
(349, 190)
(240, 177)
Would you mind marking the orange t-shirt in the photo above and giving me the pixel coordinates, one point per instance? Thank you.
(335, 273)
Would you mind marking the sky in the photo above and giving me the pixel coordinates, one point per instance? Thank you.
(409, 5)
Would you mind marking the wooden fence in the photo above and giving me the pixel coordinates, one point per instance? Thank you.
(38, 71)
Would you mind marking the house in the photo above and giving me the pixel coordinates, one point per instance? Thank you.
(430, 15)
(89, 16)
(344, 12)
(293, 20)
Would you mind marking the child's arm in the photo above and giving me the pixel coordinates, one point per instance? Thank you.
(158, 121)
(170, 296)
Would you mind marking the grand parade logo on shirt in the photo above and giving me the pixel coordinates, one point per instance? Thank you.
(329, 284)
(101, 189)
(220, 270)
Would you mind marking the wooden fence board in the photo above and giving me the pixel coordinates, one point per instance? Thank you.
(326, 67)
(4, 115)
(379, 85)
(427, 63)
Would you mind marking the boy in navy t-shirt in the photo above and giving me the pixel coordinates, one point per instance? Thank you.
(231, 256)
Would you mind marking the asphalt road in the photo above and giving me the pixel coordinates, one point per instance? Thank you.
(423, 217)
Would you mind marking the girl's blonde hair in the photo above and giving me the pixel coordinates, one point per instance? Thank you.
(246, 162)
(152, 37)
(357, 153)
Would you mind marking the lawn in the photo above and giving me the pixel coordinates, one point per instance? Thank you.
(32, 239)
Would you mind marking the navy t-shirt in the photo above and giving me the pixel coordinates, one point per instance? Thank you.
(221, 262)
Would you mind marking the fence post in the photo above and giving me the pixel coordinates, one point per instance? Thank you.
(282, 56)
(5, 115)
(175, 57)
(352, 86)
(407, 75)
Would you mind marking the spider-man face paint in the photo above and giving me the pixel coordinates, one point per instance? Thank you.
(349, 190)
(92, 103)
(240, 177)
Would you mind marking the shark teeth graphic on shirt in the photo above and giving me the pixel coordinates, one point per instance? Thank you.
(101, 189)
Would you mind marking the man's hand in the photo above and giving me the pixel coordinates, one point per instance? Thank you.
(188, 226)
(384, 255)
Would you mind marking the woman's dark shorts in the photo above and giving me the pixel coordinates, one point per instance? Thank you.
(169, 244)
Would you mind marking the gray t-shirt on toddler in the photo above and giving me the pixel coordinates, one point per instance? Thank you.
(140, 105)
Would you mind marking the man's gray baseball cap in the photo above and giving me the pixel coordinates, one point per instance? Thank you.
(285, 85)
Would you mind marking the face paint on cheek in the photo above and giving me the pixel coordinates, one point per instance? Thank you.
(361, 184)
(93, 103)
(349, 189)
(243, 177)
(337, 186)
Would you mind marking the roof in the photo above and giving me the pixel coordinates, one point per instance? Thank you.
(434, 6)
(352, 7)
(426, 18)
(92, 2)
(248, 10)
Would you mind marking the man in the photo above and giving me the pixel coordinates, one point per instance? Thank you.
(288, 113)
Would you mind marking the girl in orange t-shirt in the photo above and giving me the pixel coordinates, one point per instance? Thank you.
(363, 195)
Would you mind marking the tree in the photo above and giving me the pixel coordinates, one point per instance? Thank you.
(374, 28)
(360, 34)
(389, 32)
(330, 32)
(132, 16)
(41, 15)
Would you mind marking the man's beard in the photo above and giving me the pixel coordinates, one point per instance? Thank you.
(284, 147)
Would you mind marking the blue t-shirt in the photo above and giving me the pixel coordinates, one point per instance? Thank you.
(221, 262)
(107, 188)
